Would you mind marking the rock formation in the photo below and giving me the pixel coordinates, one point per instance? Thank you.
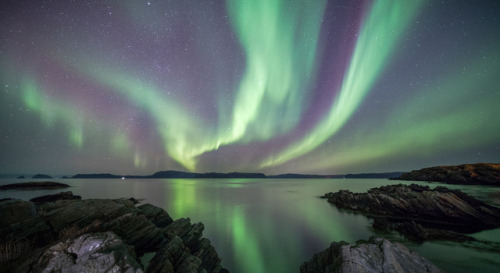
(375, 255)
(68, 234)
(467, 174)
(93, 252)
(419, 212)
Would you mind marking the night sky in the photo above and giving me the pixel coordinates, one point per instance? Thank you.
(326, 87)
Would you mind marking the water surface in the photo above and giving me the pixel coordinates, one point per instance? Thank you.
(273, 225)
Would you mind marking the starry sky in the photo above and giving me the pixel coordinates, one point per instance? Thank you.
(273, 86)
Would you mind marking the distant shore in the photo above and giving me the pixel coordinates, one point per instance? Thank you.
(180, 174)
(465, 174)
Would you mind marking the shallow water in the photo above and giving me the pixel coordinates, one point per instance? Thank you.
(273, 225)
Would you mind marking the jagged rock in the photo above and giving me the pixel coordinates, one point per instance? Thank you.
(201, 248)
(376, 255)
(96, 252)
(156, 215)
(466, 174)
(440, 208)
(174, 257)
(142, 229)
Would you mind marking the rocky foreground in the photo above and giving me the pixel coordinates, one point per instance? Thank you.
(421, 213)
(62, 233)
(375, 255)
(466, 174)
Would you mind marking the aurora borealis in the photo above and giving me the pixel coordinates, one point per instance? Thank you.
(327, 87)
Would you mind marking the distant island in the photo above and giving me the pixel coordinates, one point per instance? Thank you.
(174, 174)
(465, 174)
(179, 174)
(41, 176)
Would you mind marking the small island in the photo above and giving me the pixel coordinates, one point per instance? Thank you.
(41, 176)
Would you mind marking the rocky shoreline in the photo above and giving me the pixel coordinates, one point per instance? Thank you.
(63, 233)
(466, 174)
(68, 234)
(420, 213)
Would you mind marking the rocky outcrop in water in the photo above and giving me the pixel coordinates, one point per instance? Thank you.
(373, 256)
(467, 174)
(71, 235)
(419, 212)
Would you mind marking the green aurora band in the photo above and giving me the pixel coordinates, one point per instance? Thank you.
(280, 66)
(75, 120)
(378, 37)
(281, 47)
(411, 123)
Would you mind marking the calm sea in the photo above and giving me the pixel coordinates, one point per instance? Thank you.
(274, 225)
